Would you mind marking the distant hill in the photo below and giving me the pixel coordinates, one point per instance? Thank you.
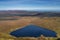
(28, 13)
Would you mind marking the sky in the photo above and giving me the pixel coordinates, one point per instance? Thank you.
(29, 4)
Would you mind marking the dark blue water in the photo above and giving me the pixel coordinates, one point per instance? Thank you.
(33, 31)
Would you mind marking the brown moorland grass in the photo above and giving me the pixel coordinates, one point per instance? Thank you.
(52, 23)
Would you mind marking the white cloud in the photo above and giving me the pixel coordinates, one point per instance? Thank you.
(32, 8)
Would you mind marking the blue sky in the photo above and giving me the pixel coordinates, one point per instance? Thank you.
(29, 4)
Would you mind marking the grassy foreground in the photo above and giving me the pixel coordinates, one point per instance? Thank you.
(6, 26)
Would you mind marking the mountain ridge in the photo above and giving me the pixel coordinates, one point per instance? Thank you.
(28, 13)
